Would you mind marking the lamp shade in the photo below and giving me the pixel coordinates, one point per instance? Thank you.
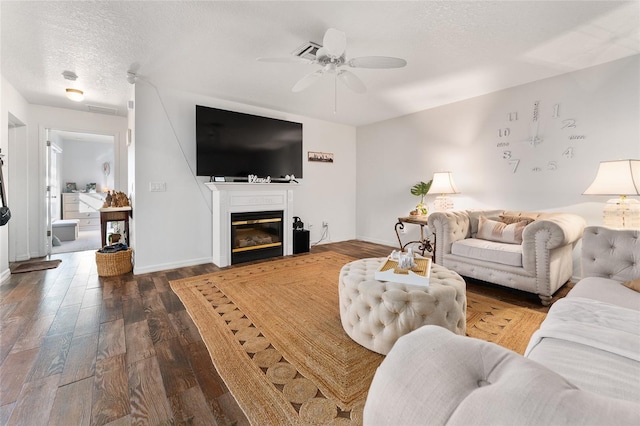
(620, 177)
(443, 184)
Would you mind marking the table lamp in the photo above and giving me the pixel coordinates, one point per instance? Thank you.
(620, 178)
(443, 184)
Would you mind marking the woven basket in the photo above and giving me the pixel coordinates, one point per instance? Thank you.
(110, 264)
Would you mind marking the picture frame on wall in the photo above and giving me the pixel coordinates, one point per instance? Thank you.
(322, 157)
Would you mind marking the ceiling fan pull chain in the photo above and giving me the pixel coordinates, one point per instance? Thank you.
(335, 94)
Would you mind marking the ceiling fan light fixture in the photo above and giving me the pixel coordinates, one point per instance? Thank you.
(75, 95)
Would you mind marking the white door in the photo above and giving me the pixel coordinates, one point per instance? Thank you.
(48, 194)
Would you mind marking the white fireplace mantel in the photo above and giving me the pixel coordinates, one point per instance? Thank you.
(230, 197)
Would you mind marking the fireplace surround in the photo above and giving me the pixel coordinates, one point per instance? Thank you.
(230, 198)
(256, 235)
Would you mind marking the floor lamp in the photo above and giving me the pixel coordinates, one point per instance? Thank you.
(443, 184)
(619, 178)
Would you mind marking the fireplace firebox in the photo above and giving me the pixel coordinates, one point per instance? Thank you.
(256, 235)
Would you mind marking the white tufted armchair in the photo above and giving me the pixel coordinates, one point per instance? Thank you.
(540, 265)
(435, 377)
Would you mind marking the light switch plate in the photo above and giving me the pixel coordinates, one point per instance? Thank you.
(157, 186)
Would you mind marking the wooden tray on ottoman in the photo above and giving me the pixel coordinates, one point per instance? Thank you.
(419, 275)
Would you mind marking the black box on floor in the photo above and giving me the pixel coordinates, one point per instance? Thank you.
(300, 241)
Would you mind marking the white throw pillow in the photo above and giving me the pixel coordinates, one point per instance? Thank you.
(492, 230)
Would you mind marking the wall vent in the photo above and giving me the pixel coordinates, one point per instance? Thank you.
(307, 51)
(102, 109)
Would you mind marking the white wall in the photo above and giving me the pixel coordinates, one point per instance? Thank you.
(13, 145)
(82, 163)
(463, 138)
(173, 228)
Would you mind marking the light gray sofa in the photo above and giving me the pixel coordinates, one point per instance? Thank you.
(541, 264)
(581, 367)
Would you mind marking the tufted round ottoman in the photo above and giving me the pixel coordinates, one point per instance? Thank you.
(376, 313)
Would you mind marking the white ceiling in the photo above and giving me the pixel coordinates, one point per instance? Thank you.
(455, 50)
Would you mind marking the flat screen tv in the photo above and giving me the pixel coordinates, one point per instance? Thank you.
(236, 145)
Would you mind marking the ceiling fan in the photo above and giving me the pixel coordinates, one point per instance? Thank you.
(331, 56)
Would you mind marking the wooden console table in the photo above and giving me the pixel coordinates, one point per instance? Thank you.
(114, 214)
(424, 243)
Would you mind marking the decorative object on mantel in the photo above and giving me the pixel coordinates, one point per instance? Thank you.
(322, 157)
(621, 178)
(256, 179)
(116, 199)
(442, 183)
(420, 189)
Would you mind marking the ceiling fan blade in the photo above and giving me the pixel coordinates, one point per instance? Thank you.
(292, 59)
(334, 42)
(307, 81)
(321, 54)
(352, 81)
(376, 62)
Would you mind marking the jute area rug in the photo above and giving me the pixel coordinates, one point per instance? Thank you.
(274, 334)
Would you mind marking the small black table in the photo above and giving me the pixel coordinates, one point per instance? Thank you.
(114, 214)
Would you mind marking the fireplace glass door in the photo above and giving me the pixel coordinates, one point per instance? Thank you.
(256, 235)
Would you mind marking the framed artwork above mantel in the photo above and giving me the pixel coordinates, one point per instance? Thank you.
(322, 157)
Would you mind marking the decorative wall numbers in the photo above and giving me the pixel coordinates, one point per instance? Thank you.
(544, 144)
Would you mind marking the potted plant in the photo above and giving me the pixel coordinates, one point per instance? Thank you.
(420, 189)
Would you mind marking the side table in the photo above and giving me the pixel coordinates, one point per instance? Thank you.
(114, 214)
(424, 243)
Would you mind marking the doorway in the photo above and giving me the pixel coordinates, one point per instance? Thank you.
(80, 171)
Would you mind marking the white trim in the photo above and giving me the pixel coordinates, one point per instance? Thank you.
(172, 265)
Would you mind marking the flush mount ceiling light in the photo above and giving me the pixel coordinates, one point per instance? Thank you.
(75, 94)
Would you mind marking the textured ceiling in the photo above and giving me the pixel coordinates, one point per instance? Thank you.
(454, 50)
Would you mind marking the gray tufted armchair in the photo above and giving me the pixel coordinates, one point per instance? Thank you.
(611, 253)
(540, 265)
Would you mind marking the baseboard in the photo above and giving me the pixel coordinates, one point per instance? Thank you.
(5, 275)
(376, 241)
(173, 265)
(22, 258)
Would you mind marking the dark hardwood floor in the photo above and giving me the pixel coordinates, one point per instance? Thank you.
(78, 349)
